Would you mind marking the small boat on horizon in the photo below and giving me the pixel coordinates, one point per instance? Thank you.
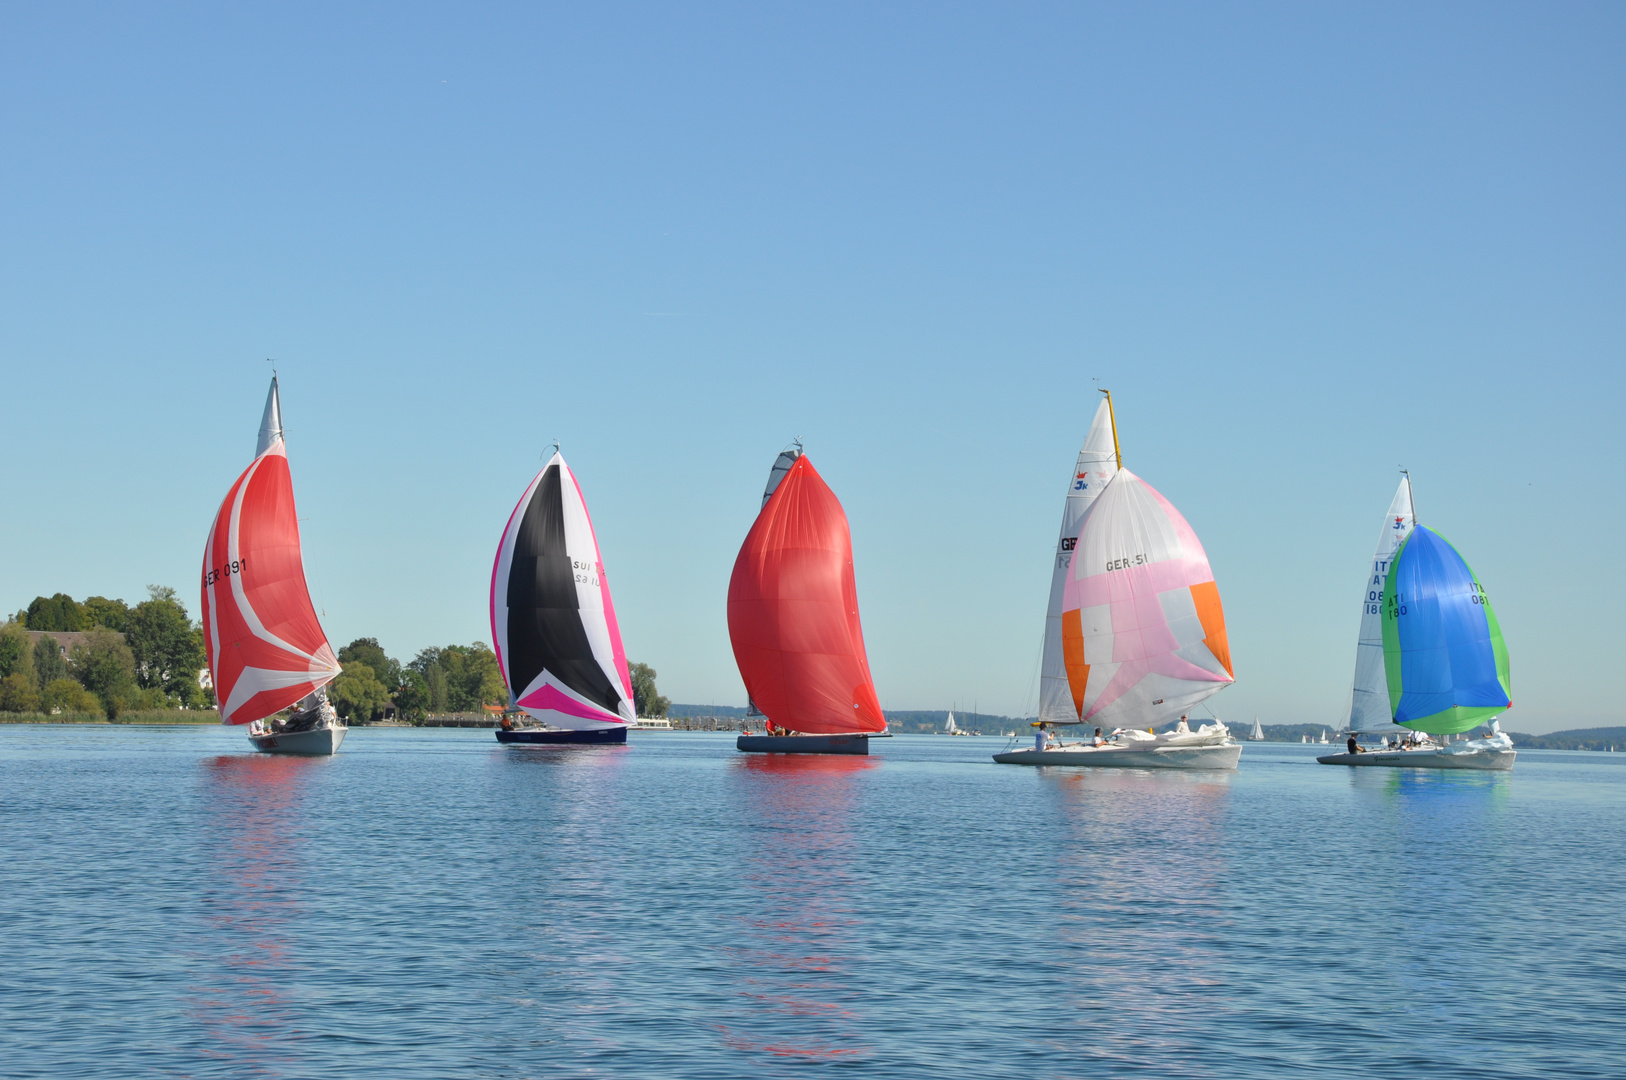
(1430, 659)
(1258, 733)
(266, 648)
(553, 624)
(1135, 633)
(793, 621)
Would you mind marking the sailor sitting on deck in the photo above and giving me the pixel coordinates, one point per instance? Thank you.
(1041, 738)
(1181, 728)
(1098, 740)
(1354, 747)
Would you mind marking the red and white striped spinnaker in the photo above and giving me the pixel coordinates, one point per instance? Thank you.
(266, 647)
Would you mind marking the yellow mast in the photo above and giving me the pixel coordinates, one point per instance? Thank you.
(1117, 453)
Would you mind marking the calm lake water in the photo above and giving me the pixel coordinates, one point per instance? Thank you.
(429, 904)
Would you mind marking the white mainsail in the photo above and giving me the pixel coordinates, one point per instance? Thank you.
(1097, 461)
(1369, 701)
(1258, 732)
(949, 725)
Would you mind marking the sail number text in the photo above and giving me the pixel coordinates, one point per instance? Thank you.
(586, 573)
(236, 566)
(1126, 562)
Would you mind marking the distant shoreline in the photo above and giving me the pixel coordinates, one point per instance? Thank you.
(168, 717)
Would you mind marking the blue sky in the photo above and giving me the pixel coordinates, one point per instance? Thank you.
(1303, 244)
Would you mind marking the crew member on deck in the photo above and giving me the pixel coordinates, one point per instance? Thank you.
(1041, 738)
(1354, 747)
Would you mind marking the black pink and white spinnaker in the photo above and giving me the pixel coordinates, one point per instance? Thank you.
(553, 623)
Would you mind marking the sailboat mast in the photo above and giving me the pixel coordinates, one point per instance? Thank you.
(1411, 496)
(1116, 453)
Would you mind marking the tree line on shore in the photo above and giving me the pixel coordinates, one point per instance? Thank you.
(441, 679)
(143, 657)
(150, 656)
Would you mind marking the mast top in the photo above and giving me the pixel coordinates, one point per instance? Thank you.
(271, 421)
(1113, 416)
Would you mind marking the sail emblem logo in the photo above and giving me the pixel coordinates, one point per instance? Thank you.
(1399, 522)
(1080, 482)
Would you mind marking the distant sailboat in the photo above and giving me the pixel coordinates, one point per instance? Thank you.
(1431, 657)
(949, 727)
(1258, 733)
(793, 620)
(265, 646)
(1141, 635)
(553, 623)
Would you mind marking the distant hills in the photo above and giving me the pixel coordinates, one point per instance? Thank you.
(929, 720)
(988, 724)
(1597, 738)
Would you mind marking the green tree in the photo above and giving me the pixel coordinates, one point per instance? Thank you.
(460, 678)
(48, 662)
(17, 693)
(358, 695)
(427, 665)
(412, 696)
(167, 648)
(16, 651)
(645, 697)
(67, 696)
(105, 666)
(368, 651)
(60, 612)
(100, 611)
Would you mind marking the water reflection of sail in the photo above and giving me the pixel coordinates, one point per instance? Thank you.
(1140, 872)
(564, 889)
(248, 909)
(797, 937)
(1426, 840)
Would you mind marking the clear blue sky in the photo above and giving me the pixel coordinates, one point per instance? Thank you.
(1303, 244)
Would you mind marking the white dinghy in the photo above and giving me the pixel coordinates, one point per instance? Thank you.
(1136, 634)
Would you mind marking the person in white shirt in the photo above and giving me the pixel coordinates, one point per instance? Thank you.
(1041, 738)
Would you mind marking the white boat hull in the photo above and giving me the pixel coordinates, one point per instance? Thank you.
(1129, 757)
(317, 742)
(1432, 758)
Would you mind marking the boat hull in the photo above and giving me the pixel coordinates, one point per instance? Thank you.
(1114, 757)
(803, 744)
(316, 743)
(562, 737)
(1482, 760)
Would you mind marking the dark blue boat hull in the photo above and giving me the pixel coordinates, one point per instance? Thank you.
(551, 737)
(803, 744)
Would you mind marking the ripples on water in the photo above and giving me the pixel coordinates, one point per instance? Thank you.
(430, 904)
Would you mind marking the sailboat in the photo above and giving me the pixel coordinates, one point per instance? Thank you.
(1141, 634)
(266, 649)
(949, 726)
(793, 621)
(1258, 733)
(1430, 657)
(553, 623)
